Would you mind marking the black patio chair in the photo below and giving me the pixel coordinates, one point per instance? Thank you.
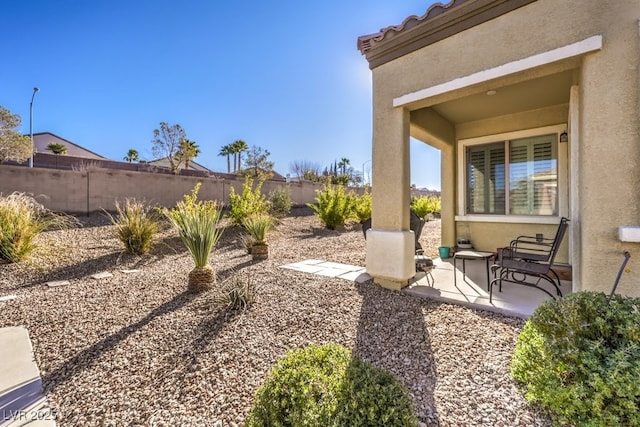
(529, 261)
(416, 225)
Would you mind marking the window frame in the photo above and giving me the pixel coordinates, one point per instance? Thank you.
(563, 188)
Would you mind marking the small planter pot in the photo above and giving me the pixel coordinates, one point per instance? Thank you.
(259, 252)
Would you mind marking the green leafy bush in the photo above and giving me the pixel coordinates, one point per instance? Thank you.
(333, 206)
(197, 224)
(327, 386)
(362, 206)
(280, 199)
(250, 201)
(22, 219)
(425, 205)
(579, 356)
(135, 225)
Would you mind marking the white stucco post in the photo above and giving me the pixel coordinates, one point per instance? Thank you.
(390, 242)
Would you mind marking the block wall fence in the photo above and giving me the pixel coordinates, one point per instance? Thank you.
(86, 192)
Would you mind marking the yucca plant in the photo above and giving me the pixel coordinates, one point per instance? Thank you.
(22, 219)
(197, 224)
(258, 226)
(136, 224)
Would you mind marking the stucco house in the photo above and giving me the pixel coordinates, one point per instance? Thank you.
(534, 106)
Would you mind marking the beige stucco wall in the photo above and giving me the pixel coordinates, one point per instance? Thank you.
(608, 147)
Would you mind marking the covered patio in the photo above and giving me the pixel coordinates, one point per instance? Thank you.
(513, 93)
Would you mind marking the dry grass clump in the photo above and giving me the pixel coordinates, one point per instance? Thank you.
(22, 219)
(136, 225)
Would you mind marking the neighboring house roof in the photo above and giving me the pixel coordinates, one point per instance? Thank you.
(439, 22)
(192, 165)
(42, 139)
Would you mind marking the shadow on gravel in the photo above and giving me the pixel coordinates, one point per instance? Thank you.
(404, 351)
(88, 357)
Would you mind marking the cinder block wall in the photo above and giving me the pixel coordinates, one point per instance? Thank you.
(82, 192)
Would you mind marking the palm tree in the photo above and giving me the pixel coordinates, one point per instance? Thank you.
(227, 151)
(188, 150)
(238, 148)
(132, 156)
(57, 149)
(342, 164)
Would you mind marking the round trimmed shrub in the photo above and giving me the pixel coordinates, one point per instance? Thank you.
(324, 385)
(579, 356)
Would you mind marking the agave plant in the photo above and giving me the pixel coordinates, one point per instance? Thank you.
(197, 224)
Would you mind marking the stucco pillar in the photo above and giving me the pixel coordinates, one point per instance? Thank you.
(390, 242)
(448, 192)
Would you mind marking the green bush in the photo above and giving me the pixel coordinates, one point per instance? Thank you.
(579, 356)
(425, 205)
(250, 201)
(280, 199)
(22, 219)
(327, 386)
(362, 206)
(333, 206)
(135, 225)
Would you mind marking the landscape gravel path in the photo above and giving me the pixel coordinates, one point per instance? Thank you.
(137, 349)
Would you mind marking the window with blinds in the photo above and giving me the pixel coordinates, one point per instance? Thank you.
(530, 169)
(533, 176)
(485, 179)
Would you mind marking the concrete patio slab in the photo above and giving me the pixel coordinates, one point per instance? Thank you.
(305, 268)
(21, 399)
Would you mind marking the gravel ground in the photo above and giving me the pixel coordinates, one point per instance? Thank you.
(136, 349)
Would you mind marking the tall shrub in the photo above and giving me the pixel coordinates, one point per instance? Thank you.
(579, 356)
(250, 201)
(22, 219)
(280, 199)
(425, 205)
(362, 206)
(333, 206)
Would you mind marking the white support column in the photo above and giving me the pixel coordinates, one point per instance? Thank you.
(390, 242)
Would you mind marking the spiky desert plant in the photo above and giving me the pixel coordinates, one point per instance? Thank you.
(136, 224)
(197, 224)
(258, 225)
(22, 219)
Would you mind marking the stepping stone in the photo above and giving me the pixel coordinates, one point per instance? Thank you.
(57, 283)
(8, 298)
(103, 275)
(130, 271)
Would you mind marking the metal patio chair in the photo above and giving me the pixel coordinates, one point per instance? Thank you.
(529, 261)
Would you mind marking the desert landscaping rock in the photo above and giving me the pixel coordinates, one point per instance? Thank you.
(162, 356)
(102, 275)
(135, 270)
(8, 298)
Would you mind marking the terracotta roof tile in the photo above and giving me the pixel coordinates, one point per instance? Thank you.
(366, 42)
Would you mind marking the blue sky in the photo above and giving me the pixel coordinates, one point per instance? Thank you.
(283, 75)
